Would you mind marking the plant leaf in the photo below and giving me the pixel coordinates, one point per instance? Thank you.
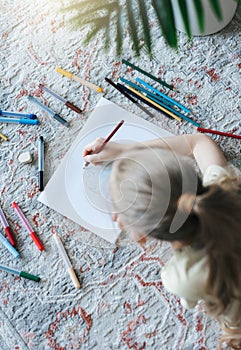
(97, 26)
(119, 32)
(91, 11)
(185, 17)
(145, 24)
(200, 14)
(164, 13)
(133, 28)
(216, 9)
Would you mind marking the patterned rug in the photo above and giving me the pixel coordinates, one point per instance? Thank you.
(122, 303)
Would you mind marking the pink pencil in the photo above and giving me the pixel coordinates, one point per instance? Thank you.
(216, 132)
(107, 139)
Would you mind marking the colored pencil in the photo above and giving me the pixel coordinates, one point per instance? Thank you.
(163, 95)
(20, 273)
(117, 87)
(9, 246)
(155, 104)
(124, 88)
(24, 220)
(217, 132)
(65, 258)
(4, 137)
(144, 100)
(181, 115)
(121, 89)
(60, 98)
(7, 229)
(160, 101)
(142, 89)
(80, 80)
(107, 139)
(163, 83)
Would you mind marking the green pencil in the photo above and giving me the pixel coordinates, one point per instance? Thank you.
(163, 83)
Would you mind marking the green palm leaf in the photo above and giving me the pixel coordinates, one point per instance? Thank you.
(164, 13)
(200, 14)
(108, 16)
(216, 9)
(185, 17)
(119, 33)
(99, 24)
(133, 27)
(145, 24)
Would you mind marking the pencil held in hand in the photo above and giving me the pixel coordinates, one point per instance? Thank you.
(106, 140)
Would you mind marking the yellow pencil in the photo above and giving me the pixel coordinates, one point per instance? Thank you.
(3, 137)
(80, 80)
(155, 104)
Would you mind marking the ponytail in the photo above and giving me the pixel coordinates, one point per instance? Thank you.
(219, 220)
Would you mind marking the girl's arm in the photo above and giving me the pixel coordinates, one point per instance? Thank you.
(201, 147)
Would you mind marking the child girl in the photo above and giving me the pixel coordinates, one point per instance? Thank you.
(156, 191)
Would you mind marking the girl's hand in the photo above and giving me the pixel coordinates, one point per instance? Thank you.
(93, 152)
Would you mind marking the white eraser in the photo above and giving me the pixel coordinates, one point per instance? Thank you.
(25, 158)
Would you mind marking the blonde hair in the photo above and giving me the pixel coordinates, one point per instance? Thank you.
(156, 192)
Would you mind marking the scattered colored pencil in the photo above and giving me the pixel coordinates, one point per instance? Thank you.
(117, 87)
(4, 137)
(64, 256)
(60, 98)
(6, 227)
(156, 105)
(139, 98)
(163, 95)
(31, 232)
(217, 132)
(163, 83)
(80, 80)
(20, 273)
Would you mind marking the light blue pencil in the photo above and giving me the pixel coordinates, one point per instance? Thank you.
(181, 115)
(159, 100)
(163, 95)
(7, 245)
(140, 88)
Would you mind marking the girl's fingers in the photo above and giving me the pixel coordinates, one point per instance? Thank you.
(93, 146)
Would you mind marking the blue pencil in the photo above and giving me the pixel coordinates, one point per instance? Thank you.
(141, 99)
(140, 88)
(16, 114)
(163, 95)
(181, 115)
(159, 100)
(19, 120)
(7, 245)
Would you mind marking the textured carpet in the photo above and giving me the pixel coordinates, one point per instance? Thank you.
(122, 303)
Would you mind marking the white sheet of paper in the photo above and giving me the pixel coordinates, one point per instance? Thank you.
(83, 194)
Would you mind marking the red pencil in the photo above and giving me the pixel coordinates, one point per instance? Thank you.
(216, 132)
(107, 139)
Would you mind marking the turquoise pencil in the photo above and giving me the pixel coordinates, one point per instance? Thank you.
(163, 95)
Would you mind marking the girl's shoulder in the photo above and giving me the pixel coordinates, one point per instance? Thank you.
(216, 174)
(185, 273)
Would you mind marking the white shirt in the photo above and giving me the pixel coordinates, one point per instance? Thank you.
(185, 274)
